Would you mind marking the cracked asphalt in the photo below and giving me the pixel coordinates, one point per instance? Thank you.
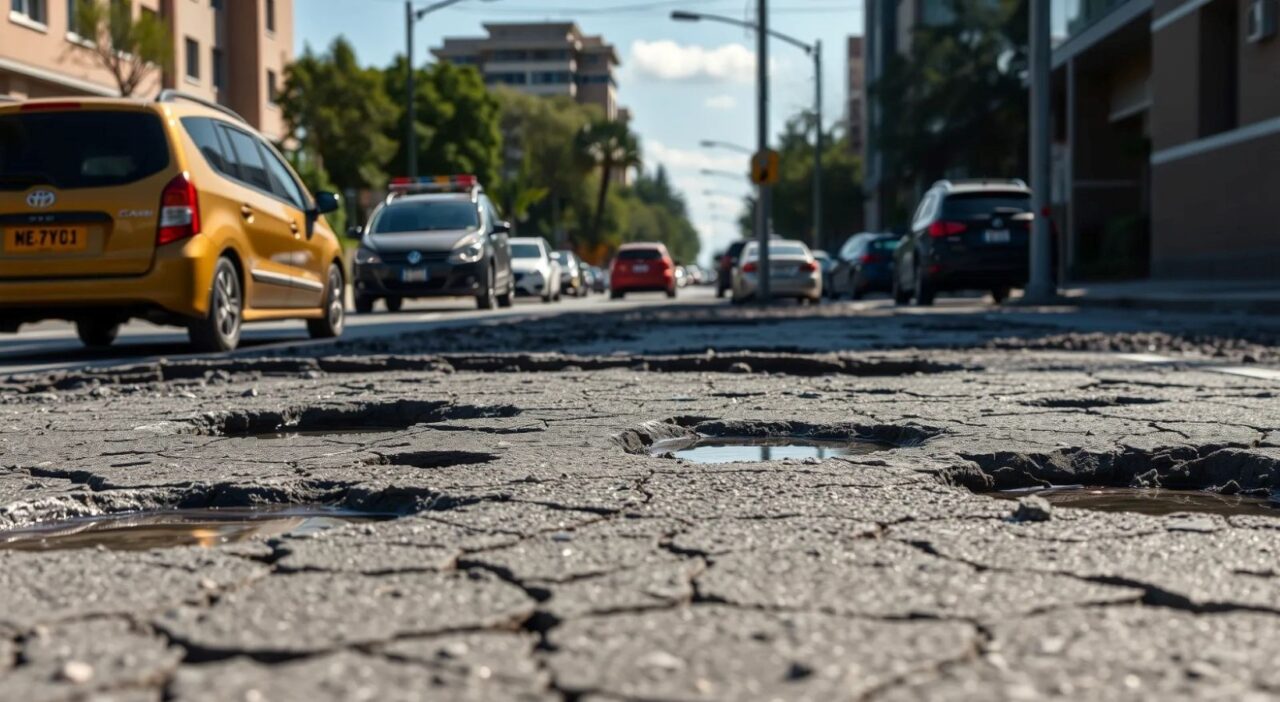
(547, 548)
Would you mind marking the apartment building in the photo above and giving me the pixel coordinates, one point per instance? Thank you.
(544, 58)
(1168, 126)
(856, 93)
(233, 52)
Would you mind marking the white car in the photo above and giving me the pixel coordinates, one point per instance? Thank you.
(536, 272)
(793, 272)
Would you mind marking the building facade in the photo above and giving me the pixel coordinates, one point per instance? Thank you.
(549, 58)
(856, 95)
(233, 52)
(1168, 126)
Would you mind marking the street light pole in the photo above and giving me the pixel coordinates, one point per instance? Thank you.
(818, 146)
(1040, 288)
(411, 18)
(762, 145)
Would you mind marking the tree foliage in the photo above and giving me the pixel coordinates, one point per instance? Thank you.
(457, 121)
(956, 105)
(609, 147)
(130, 48)
(340, 112)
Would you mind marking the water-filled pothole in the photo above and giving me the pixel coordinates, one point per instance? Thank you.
(140, 531)
(713, 450)
(328, 432)
(1152, 501)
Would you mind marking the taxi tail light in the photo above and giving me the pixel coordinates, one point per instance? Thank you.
(809, 266)
(179, 211)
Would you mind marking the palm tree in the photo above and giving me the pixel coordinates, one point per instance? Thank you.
(611, 147)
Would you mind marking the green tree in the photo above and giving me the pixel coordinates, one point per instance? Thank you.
(339, 112)
(457, 121)
(610, 147)
(130, 48)
(956, 105)
(539, 136)
(651, 210)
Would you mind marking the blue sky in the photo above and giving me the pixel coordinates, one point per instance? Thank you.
(683, 82)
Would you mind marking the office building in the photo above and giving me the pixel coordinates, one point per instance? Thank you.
(855, 100)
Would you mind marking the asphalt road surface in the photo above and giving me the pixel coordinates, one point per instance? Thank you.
(53, 345)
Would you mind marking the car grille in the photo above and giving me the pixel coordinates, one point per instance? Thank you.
(400, 258)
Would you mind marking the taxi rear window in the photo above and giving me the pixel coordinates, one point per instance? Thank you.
(79, 149)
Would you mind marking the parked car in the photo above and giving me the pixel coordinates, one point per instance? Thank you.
(571, 279)
(588, 279)
(175, 211)
(865, 265)
(965, 235)
(433, 237)
(682, 277)
(642, 267)
(727, 264)
(600, 282)
(793, 272)
(825, 264)
(536, 271)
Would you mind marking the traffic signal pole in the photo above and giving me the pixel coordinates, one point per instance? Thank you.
(762, 143)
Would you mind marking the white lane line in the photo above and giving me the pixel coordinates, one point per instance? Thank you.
(1242, 371)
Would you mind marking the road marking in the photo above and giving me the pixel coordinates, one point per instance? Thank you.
(1259, 373)
(1242, 371)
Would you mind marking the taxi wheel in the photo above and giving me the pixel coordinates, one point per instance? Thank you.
(394, 303)
(335, 311)
(97, 333)
(219, 330)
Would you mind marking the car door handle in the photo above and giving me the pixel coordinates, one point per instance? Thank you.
(246, 211)
(293, 227)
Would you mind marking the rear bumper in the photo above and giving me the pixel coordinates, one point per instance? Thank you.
(781, 286)
(443, 280)
(635, 283)
(175, 289)
(530, 284)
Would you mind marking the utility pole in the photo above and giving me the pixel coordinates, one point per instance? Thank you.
(1041, 288)
(818, 147)
(411, 134)
(762, 145)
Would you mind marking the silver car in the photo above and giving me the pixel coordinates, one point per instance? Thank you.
(793, 272)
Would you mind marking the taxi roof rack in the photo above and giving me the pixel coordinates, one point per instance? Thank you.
(456, 184)
(171, 95)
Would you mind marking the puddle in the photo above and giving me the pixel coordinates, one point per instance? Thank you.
(287, 434)
(1149, 500)
(756, 450)
(139, 531)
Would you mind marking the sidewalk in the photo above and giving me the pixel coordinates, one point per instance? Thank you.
(1242, 297)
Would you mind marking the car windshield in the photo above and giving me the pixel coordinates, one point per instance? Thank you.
(526, 251)
(779, 250)
(80, 149)
(562, 256)
(963, 205)
(426, 216)
(639, 255)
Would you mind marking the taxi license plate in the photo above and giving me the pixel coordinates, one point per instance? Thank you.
(413, 275)
(997, 236)
(45, 239)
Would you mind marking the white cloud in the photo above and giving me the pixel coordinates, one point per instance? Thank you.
(721, 102)
(667, 60)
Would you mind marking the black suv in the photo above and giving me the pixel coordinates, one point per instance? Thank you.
(966, 235)
(728, 261)
(433, 237)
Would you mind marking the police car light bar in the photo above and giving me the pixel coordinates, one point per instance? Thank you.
(438, 184)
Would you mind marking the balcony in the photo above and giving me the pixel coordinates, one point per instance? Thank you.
(1071, 17)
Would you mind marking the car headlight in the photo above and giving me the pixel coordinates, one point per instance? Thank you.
(366, 257)
(469, 252)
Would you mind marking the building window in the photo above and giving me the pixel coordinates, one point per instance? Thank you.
(551, 78)
(216, 68)
(273, 90)
(193, 59)
(33, 10)
(1219, 67)
(216, 5)
(271, 16)
(73, 27)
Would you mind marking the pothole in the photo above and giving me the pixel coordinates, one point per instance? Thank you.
(713, 450)
(359, 417)
(1152, 501)
(704, 440)
(204, 527)
(289, 434)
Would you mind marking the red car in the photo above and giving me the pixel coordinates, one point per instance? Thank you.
(642, 268)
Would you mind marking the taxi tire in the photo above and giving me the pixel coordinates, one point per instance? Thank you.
(488, 298)
(219, 330)
(97, 333)
(330, 326)
(394, 304)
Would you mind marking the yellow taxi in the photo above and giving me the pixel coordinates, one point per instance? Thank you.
(175, 211)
